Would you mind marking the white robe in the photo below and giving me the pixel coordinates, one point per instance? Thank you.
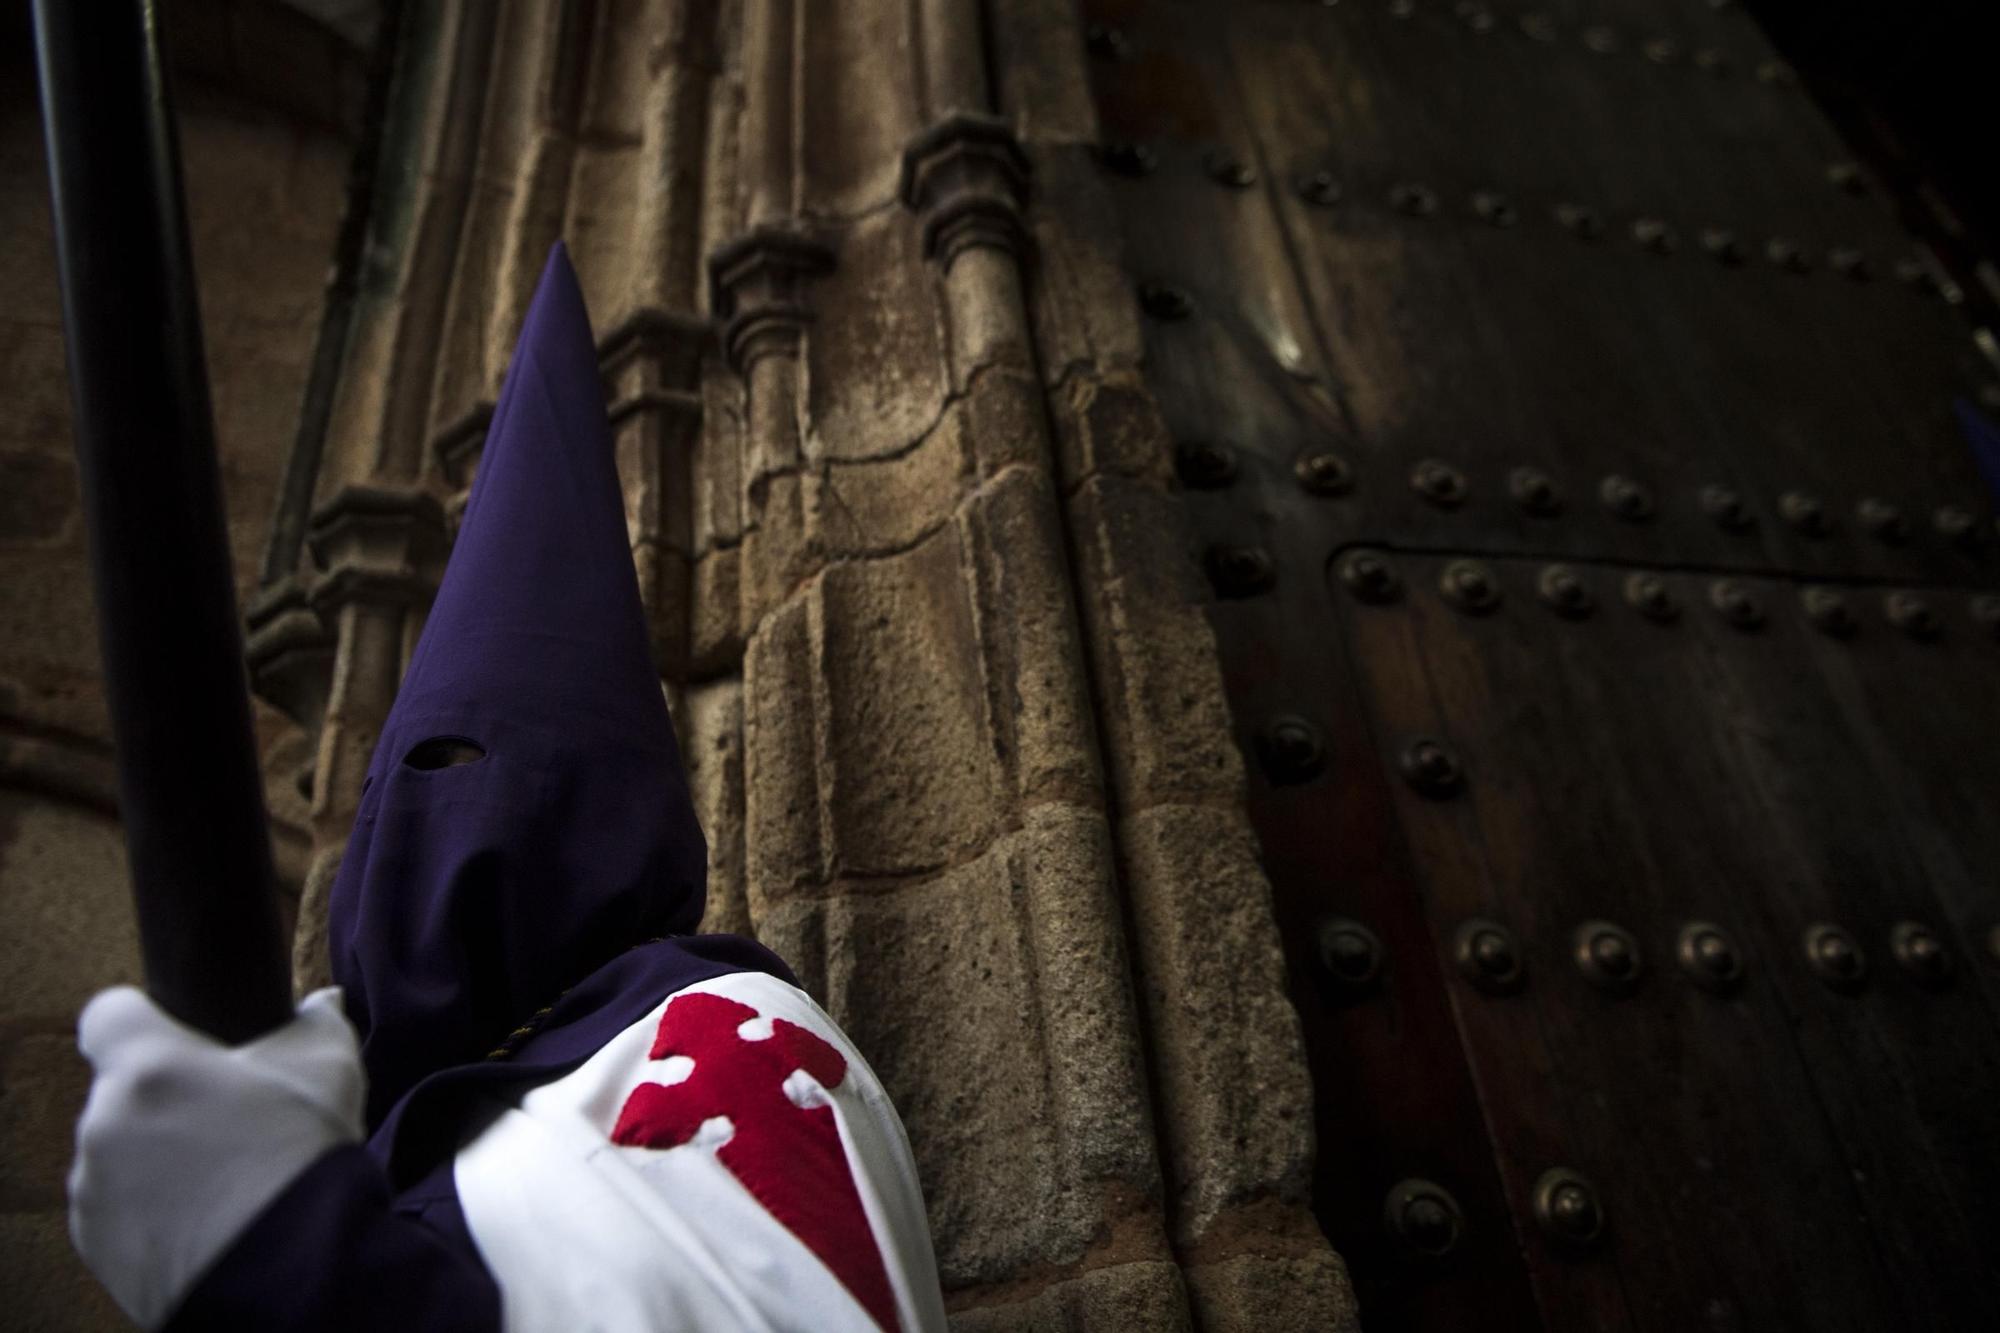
(582, 1233)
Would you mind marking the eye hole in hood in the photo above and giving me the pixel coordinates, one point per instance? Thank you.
(443, 752)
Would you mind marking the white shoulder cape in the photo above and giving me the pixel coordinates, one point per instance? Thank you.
(582, 1233)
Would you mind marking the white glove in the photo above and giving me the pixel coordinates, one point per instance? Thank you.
(184, 1140)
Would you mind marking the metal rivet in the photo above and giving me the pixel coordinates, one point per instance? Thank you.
(1431, 768)
(1914, 273)
(1912, 614)
(1626, 498)
(1955, 523)
(1324, 474)
(1608, 956)
(1709, 956)
(1225, 168)
(1239, 571)
(1656, 236)
(1805, 513)
(1726, 507)
(1106, 42)
(1828, 611)
(1583, 223)
(1205, 464)
(1491, 207)
(1539, 27)
(1319, 187)
(1469, 586)
(1369, 576)
(1846, 177)
(1736, 603)
(1986, 612)
(1128, 159)
(1486, 955)
(1566, 1206)
(1563, 591)
(1776, 73)
(1439, 482)
(1291, 749)
(1649, 595)
(1601, 40)
(1921, 953)
(1721, 245)
(1834, 956)
(1350, 954)
(1412, 200)
(1474, 16)
(1535, 491)
(1424, 1216)
(1849, 263)
(1662, 50)
(1711, 61)
(1164, 302)
(1883, 521)
(1787, 254)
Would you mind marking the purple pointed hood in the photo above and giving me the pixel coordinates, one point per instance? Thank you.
(473, 893)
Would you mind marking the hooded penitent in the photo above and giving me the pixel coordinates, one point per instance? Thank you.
(525, 818)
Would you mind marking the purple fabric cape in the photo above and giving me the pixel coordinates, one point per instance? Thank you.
(560, 870)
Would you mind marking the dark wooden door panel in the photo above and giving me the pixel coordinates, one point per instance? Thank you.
(1781, 1154)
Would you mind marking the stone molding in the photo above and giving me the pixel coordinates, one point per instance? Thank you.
(758, 288)
(967, 178)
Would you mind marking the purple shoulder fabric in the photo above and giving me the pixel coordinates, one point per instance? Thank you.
(525, 842)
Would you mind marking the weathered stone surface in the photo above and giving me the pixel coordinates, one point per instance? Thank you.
(1236, 1104)
(1159, 689)
(712, 745)
(854, 72)
(43, 1079)
(991, 1000)
(48, 1288)
(1284, 1294)
(1111, 425)
(715, 634)
(1143, 1295)
(1080, 296)
(875, 366)
(1037, 55)
(66, 926)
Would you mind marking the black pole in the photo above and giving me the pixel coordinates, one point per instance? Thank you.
(190, 792)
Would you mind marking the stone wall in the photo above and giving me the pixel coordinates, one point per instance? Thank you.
(264, 187)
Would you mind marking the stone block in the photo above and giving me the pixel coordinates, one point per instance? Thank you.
(1030, 643)
(1079, 295)
(43, 1079)
(717, 480)
(879, 505)
(1228, 1062)
(1286, 1294)
(1159, 686)
(991, 1000)
(1006, 421)
(66, 925)
(1112, 426)
(784, 835)
(715, 635)
(1146, 1295)
(876, 373)
(48, 1288)
(38, 499)
(712, 747)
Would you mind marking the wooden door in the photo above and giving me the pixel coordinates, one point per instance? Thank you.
(1605, 586)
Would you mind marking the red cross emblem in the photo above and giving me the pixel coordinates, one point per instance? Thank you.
(788, 1156)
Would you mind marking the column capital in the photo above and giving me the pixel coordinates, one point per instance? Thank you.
(967, 177)
(757, 287)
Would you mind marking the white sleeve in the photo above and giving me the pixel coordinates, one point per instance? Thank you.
(584, 1231)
